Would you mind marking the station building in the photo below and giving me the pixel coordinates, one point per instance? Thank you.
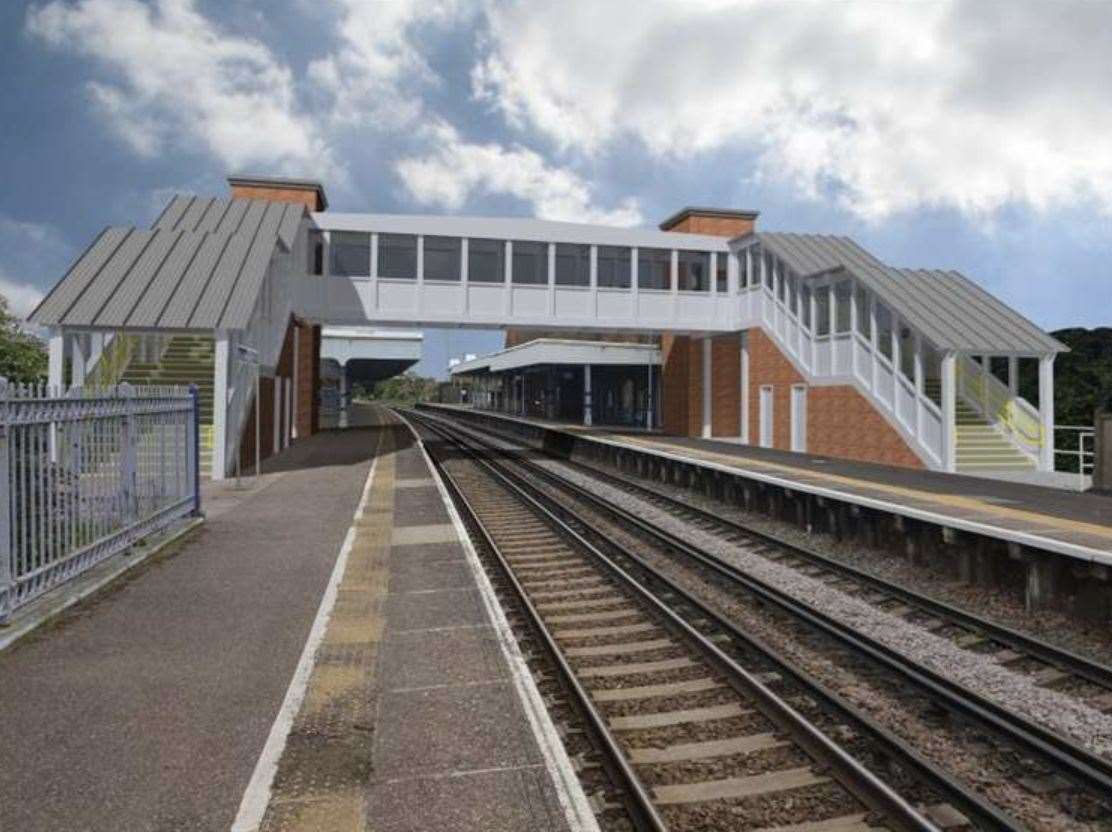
(706, 326)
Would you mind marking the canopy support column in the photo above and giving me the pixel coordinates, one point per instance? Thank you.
(222, 353)
(949, 412)
(57, 361)
(587, 395)
(1046, 412)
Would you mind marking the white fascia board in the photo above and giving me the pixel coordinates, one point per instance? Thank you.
(515, 228)
(559, 351)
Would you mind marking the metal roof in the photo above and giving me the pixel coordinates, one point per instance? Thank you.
(200, 266)
(952, 311)
(561, 351)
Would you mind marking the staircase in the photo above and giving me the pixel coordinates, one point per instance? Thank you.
(979, 444)
(187, 359)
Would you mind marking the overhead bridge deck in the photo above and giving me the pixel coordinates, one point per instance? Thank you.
(928, 510)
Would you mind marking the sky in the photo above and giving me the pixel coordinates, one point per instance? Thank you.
(974, 136)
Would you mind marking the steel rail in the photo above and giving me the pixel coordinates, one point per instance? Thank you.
(852, 774)
(1078, 764)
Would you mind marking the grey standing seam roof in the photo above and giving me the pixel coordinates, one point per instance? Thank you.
(200, 266)
(952, 311)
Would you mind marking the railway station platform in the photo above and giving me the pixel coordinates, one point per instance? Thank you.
(323, 654)
(928, 509)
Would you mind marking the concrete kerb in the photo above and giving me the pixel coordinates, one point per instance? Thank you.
(99, 579)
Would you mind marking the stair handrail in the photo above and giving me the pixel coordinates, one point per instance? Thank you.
(1012, 414)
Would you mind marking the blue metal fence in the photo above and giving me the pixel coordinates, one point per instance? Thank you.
(85, 475)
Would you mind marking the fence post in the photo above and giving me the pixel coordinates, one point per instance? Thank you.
(194, 449)
(7, 581)
(128, 459)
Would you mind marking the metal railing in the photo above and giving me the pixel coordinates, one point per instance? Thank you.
(86, 474)
(1083, 455)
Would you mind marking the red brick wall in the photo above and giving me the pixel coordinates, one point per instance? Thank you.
(841, 422)
(303, 196)
(308, 379)
(681, 385)
(266, 422)
(718, 226)
(725, 385)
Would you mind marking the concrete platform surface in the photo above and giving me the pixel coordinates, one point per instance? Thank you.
(1053, 519)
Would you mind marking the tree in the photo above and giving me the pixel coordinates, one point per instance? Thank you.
(22, 355)
(404, 389)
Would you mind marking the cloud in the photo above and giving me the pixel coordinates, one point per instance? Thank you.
(883, 107)
(372, 76)
(173, 78)
(456, 171)
(22, 297)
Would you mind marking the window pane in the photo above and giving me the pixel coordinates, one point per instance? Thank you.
(805, 305)
(793, 293)
(486, 261)
(884, 330)
(822, 310)
(782, 288)
(351, 254)
(654, 268)
(843, 292)
(573, 265)
(694, 271)
(316, 252)
(768, 263)
(907, 353)
(721, 272)
(442, 258)
(614, 267)
(864, 324)
(397, 255)
(530, 263)
(932, 373)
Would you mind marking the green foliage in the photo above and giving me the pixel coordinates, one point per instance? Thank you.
(1082, 376)
(407, 388)
(22, 355)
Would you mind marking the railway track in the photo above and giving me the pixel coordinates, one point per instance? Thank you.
(1056, 755)
(700, 740)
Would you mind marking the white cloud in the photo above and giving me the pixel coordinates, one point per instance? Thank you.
(174, 78)
(22, 297)
(456, 170)
(372, 76)
(888, 106)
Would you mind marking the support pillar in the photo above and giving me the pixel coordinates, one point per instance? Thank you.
(650, 408)
(587, 395)
(79, 360)
(1043, 573)
(744, 393)
(1013, 375)
(949, 412)
(1046, 412)
(343, 396)
(708, 358)
(220, 406)
(57, 361)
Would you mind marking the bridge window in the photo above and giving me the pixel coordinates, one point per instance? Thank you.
(442, 258)
(793, 293)
(884, 330)
(351, 254)
(864, 323)
(805, 305)
(769, 263)
(614, 267)
(397, 255)
(722, 272)
(486, 261)
(654, 268)
(843, 293)
(750, 266)
(315, 241)
(822, 310)
(573, 265)
(694, 271)
(530, 263)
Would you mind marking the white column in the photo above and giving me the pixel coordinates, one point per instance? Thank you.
(708, 358)
(220, 406)
(277, 414)
(79, 360)
(343, 396)
(587, 395)
(57, 361)
(296, 362)
(1046, 411)
(744, 433)
(649, 408)
(1013, 375)
(949, 412)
